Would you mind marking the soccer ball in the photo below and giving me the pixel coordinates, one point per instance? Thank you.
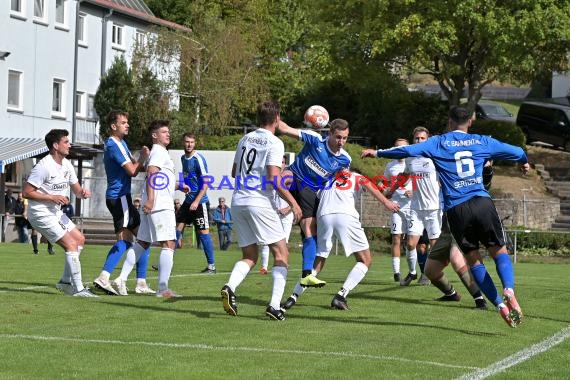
(316, 117)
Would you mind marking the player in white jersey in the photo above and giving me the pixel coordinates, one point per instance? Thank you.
(425, 207)
(158, 222)
(256, 168)
(337, 215)
(286, 216)
(47, 189)
(399, 220)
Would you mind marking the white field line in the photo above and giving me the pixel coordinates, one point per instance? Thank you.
(24, 289)
(519, 357)
(206, 347)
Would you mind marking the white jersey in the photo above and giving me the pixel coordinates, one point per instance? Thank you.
(339, 198)
(393, 169)
(49, 177)
(256, 151)
(163, 182)
(426, 190)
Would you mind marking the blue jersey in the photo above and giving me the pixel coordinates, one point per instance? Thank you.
(116, 155)
(193, 168)
(459, 158)
(316, 162)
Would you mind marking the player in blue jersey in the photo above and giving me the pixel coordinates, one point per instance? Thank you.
(121, 166)
(459, 157)
(195, 208)
(315, 166)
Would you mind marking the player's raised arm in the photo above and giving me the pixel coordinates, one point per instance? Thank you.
(285, 129)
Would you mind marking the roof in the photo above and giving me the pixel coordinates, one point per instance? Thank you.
(16, 149)
(137, 9)
(81, 151)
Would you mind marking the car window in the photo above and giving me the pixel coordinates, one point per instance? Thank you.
(495, 110)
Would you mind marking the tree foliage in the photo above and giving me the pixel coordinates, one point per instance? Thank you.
(463, 44)
(136, 91)
(217, 75)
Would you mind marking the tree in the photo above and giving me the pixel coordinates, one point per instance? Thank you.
(462, 44)
(218, 77)
(114, 92)
(136, 91)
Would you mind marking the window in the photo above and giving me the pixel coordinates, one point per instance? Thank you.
(40, 12)
(15, 90)
(80, 104)
(61, 13)
(140, 38)
(117, 38)
(18, 9)
(91, 114)
(16, 6)
(82, 30)
(58, 98)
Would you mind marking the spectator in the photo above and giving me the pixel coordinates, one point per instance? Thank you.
(9, 204)
(20, 219)
(137, 204)
(223, 219)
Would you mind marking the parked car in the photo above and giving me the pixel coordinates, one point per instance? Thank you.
(545, 122)
(493, 111)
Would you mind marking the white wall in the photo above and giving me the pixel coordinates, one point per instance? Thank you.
(42, 52)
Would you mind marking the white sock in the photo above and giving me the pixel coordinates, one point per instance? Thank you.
(396, 264)
(165, 264)
(66, 275)
(354, 277)
(298, 290)
(279, 280)
(241, 269)
(74, 267)
(264, 256)
(104, 275)
(412, 257)
(133, 255)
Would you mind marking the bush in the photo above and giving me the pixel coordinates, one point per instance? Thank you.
(543, 243)
(503, 131)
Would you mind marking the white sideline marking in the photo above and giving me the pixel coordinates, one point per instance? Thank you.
(24, 289)
(227, 348)
(519, 357)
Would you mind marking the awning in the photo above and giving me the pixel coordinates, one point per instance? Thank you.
(16, 149)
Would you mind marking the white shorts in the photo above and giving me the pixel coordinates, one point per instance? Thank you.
(287, 223)
(157, 226)
(257, 225)
(346, 228)
(52, 226)
(430, 220)
(399, 222)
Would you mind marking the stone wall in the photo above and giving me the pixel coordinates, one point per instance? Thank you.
(530, 213)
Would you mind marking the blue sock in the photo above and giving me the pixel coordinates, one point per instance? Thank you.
(486, 284)
(309, 253)
(505, 270)
(208, 246)
(143, 263)
(115, 254)
(178, 238)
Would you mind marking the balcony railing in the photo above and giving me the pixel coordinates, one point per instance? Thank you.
(87, 132)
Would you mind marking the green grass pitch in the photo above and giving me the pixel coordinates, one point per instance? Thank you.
(390, 332)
